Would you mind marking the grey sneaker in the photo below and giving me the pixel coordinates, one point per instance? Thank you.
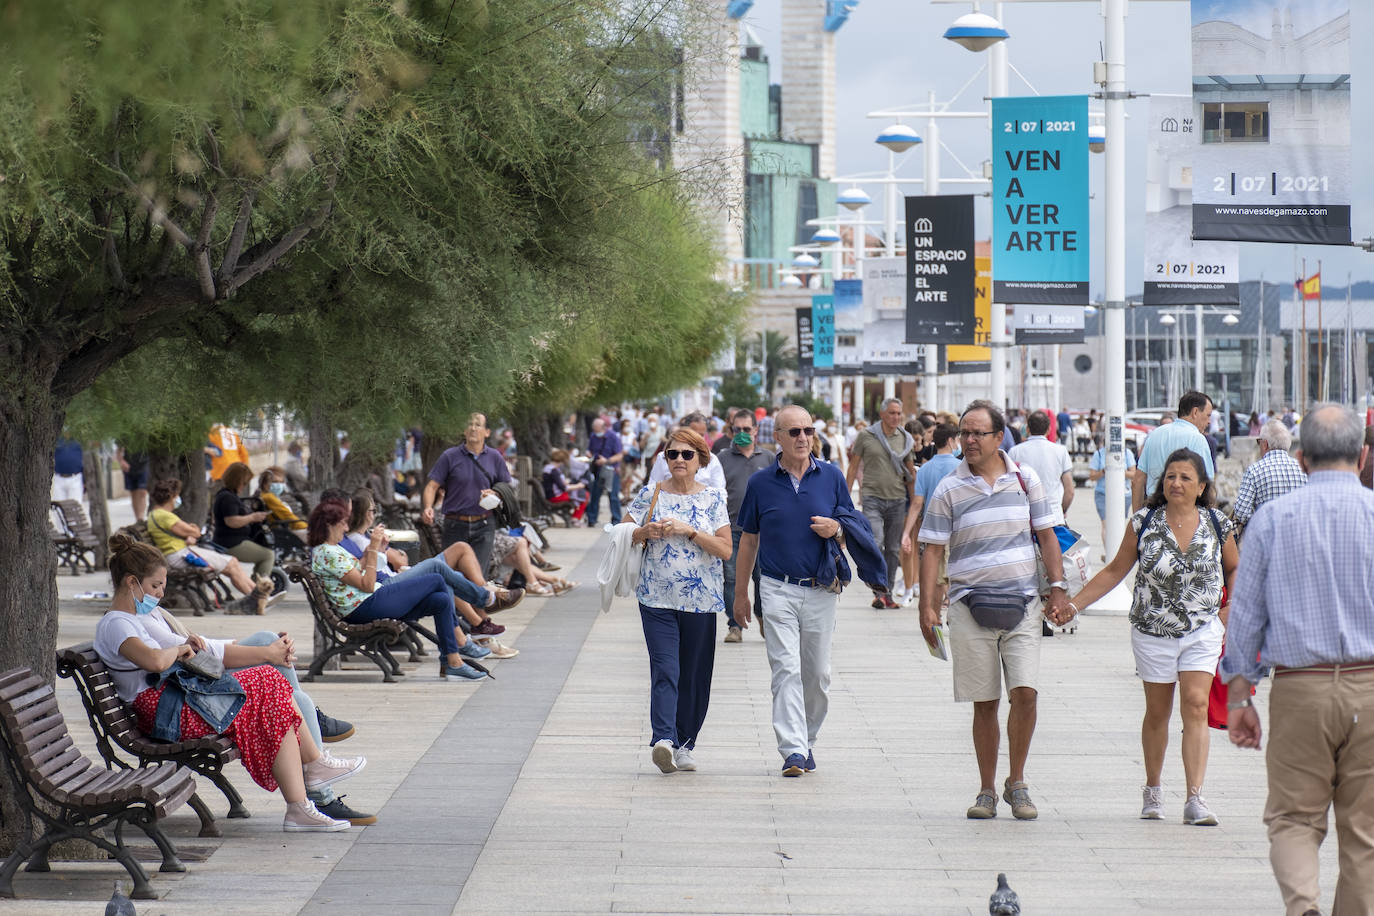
(683, 759)
(662, 755)
(1195, 811)
(1017, 794)
(1151, 803)
(984, 807)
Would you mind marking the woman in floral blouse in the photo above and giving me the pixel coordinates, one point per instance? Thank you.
(1187, 560)
(685, 529)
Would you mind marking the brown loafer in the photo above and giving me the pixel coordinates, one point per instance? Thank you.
(506, 598)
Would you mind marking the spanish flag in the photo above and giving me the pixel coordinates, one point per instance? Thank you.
(1311, 288)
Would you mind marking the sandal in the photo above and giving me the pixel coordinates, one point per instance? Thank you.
(539, 590)
(562, 586)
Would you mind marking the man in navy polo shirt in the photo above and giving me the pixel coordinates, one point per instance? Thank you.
(793, 501)
(606, 450)
(467, 472)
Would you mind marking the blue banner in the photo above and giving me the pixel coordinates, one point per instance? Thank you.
(849, 305)
(823, 331)
(1040, 200)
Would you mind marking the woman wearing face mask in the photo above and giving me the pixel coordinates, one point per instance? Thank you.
(253, 707)
(271, 486)
(177, 538)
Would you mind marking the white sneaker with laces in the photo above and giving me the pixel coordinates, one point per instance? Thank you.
(683, 759)
(662, 755)
(1195, 810)
(328, 769)
(1152, 803)
(303, 816)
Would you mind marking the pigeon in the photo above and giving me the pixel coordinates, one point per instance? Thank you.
(1004, 901)
(120, 905)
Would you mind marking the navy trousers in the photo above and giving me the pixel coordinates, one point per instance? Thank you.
(412, 599)
(682, 655)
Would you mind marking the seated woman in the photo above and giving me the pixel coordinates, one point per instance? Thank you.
(558, 490)
(271, 486)
(351, 586)
(457, 564)
(266, 728)
(176, 538)
(512, 553)
(234, 524)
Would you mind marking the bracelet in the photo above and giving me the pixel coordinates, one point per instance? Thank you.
(1241, 704)
(1073, 607)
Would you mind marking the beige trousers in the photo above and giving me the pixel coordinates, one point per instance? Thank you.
(1321, 754)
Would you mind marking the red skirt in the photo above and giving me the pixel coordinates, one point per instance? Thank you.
(257, 731)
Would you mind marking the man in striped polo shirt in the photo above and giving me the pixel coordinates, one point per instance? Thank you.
(983, 512)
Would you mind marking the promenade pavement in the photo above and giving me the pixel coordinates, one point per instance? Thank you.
(534, 793)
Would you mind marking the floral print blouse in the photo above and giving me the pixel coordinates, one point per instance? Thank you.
(1178, 587)
(329, 563)
(677, 573)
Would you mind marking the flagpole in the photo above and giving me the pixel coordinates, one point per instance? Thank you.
(1321, 339)
(1347, 359)
(1302, 292)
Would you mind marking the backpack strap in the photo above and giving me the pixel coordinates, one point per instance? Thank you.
(1145, 523)
(1216, 526)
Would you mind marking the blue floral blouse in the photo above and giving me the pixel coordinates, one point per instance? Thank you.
(677, 573)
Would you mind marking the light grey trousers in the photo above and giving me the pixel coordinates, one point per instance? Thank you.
(800, 625)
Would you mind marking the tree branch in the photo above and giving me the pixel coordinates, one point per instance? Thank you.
(235, 247)
(275, 251)
(201, 252)
(160, 216)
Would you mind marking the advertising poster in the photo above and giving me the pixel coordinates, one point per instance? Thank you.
(823, 332)
(885, 353)
(1271, 108)
(939, 269)
(1040, 200)
(1047, 324)
(849, 325)
(1178, 270)
(961, 358)
(805, 343)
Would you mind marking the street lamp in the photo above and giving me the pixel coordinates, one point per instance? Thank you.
(853, 198)
(976, 31)
(898, 138)
(825, 237)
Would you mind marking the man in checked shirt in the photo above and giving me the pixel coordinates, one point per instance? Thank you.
(1274, 474)
(1304, 604)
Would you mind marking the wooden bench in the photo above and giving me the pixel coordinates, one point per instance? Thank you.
(116, 730)
(78, 541)
(55, 784)
(202, 587)
(373, 640)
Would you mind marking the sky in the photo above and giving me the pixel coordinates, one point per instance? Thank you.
(890, 54)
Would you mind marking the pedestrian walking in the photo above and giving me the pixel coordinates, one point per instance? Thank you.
(467, 473)
(1302, 606)
(1274, 474)
(1186, 431)
(984, 514)
(605, 449)
(1050, 460)
(884, 455)
(738, 463)
(945, 438)
(1184, 553)
(685, 529)
(1097, 473)
(788, 518)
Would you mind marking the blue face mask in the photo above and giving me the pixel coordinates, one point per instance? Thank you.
(278, 487)
(145, 605)
(176, 503)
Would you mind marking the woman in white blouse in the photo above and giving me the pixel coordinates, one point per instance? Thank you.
(685, 529)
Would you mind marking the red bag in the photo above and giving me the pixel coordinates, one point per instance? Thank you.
(1219, 695)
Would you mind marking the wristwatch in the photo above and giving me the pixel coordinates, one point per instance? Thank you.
(1060, 584)
(1243, 704)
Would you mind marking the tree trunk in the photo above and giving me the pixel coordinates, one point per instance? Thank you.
(534, 435)
(97, 501)
(30, 418)
(195, 490)
(430, 450)
(163, 465)
(324, 453)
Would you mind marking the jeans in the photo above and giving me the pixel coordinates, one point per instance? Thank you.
(886, 517)
(421, 596)
(460, 584)
(801, 625)
(307, 705)
(729, 566)
(682, 656)
(609, 478)
(478, 535)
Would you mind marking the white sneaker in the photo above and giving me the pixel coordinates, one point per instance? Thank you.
(329, 769)
(1152, 803)
(662, 755)
(303, 816)
(683, 759)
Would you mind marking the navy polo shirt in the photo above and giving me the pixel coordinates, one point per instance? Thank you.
(67, 458)
(790, 547)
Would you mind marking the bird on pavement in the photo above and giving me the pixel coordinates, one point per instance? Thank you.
(120, 905)
(1004, 901)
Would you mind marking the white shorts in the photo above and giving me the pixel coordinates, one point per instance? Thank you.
(1159, 659)
(981, 657)
(213, 558)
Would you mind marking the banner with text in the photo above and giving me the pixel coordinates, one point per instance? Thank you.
(806, 352)
(823, 332)
(1040, 200)
(960, 358)
(939, 269)
(1271, 94)
(1179, 271)
(849, 325)
(1047, 324)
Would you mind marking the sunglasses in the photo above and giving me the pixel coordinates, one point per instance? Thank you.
(808, 431)
(673, 454)
(742, 429)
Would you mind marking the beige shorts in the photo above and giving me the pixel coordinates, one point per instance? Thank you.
(981, 657)
(216, 560)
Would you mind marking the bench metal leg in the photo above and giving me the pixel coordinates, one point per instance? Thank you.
(236, 808)
(38, 859)
(142, 889)
(170, 861)
(208, 827)
(21, 852)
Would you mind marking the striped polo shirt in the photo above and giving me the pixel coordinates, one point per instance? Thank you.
(986, 529)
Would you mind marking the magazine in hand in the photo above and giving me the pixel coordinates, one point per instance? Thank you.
(941, 647)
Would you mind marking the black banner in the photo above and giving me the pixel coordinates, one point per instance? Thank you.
(1305, 225)
(939, 270)
(806, 353)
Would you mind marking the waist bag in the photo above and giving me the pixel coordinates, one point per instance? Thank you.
(996, 610)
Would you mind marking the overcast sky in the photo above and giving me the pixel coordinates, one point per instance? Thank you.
(891, 54)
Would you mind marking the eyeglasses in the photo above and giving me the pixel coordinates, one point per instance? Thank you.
(742, 429)
(975, 434)
(808, 431)
(673, 454)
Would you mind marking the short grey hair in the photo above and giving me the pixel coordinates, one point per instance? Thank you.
(890, 401)
(1331, 434)
(1277, 435)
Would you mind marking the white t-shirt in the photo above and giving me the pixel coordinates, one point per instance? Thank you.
(117, 626)
(362, 542)
(1050, 461)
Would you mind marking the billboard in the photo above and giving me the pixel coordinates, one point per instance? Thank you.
(1179, 271)
(1271, 101)
(939, 269)
(1047, 324)
(1040, 200)
(806, 352)
(822, 332)
(960, 358)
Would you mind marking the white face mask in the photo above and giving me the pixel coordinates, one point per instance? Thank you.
(490, 501)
